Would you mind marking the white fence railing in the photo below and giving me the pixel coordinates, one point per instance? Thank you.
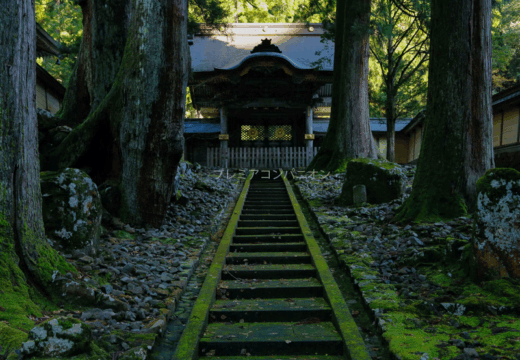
(261, 158)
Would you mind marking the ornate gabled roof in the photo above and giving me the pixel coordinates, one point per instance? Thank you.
(263, 76)
(239, 63)
(266, 46)
(299, 42)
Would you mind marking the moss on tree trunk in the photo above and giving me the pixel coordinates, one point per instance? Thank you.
(457, 145)
(20, 197)
(349, 135)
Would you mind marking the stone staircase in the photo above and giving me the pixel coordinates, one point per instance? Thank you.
(271, 302)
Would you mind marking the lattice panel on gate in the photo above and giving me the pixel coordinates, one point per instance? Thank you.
(252, 132)
(279, 132)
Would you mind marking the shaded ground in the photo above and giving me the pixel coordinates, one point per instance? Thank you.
(142, 273)
(415, 280)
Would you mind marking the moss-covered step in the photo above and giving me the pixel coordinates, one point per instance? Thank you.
(251, 239)
(266, 189)
(255, 211)
(271, 288)
(276, 271)
(270, 310)
(268, 223)
(265, 201)
(269, 247)
(268, 201)
(267, 196)
(265, 258)
(271, 338)
(268, 217)
(269, 230)
(265, 183)
(280, 357)
(249, 206)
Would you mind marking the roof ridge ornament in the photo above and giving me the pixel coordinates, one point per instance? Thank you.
(266, 46)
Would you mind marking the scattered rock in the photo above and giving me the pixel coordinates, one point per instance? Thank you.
(472, 353)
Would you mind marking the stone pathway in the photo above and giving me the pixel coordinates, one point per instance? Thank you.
(275, 295)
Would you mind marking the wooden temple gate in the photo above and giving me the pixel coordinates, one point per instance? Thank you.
(261, 158)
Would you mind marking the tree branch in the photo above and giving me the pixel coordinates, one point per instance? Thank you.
(403, 78)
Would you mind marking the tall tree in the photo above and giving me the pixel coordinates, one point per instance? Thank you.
(22, 237)
(132, 133)
(399, 44)
(457, 148)
(349, 135)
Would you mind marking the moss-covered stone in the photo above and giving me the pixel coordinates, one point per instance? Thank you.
(60, 337)
(384, 181)
(72, 209)
(497, 224)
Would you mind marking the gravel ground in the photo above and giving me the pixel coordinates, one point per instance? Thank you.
(414, 278)
(131, 290)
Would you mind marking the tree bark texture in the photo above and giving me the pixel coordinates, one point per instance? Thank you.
(457, 145)
(105, 28)
(390, 123)
(349, 134)
(134, 137)
(390, 95)
(21, 223)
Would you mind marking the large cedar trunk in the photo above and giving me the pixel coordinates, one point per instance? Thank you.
(22, 236)
(105, 27)
(457, 146)
(134, 137)
(349, 135)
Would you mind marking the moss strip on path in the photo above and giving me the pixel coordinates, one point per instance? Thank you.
(354, 343)
(188, 347)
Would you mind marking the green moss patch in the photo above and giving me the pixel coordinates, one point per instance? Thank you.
(15, 301)
(121, 234)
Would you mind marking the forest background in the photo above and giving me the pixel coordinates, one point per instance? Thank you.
(62, 19)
